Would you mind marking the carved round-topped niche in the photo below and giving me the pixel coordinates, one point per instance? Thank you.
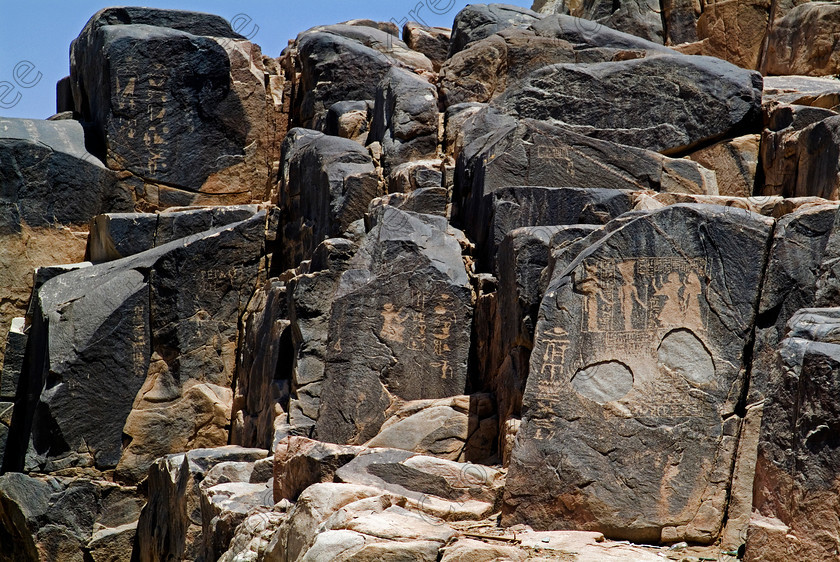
(603, 382)
(683, 353)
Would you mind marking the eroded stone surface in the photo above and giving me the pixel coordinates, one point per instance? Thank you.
(407, 300)
(638, 351)
(181, 144)
(796, 498)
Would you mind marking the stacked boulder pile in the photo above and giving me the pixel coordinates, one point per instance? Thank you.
(559, 284)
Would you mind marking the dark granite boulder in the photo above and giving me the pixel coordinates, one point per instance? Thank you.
(406, 299)
(629, 415)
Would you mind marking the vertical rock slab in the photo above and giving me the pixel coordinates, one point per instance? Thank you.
(170, 525)
(343, 62)
(523, 256)
(680, 21)
(264, 368)
(793, 269)
(13, 359)
(311, 295)
(407, 301)
(133, 359)
(51, 187)
(326, 184)
(199, 288)
(800, 148)
(405, 119)
(802, 42)
(638, 365)
(177, 100)
(734, 31)
(797, 500)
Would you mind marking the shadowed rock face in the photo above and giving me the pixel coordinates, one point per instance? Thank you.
(407, 300)
(61, 518)
(796, 492)
(151, 339)
(50, 187)
(178, 100)
(327, 183)
(639, 350)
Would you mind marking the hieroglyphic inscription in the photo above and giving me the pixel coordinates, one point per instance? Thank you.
(557, 154)
(554, 346)
(422, 327)
(150, 125)
(628, 302)
(627, 306)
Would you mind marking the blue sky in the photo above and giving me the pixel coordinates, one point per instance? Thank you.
(40, 32)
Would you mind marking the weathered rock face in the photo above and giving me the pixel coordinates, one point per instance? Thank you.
(514, 207)
(118, 235)
(344, 63)
(230, 491)
(170, 315)
(349, 120)
(735, 163)
(533, 153)
(311, 295)
(431, 41)
(796, 496)
(484, 69)
(327, 183)
(170, 525)
(734, 31)
(406, 298)
(177, 100)
(477, 21)
(300, 462)
(524, 254)
(639, 350)
(803, 90)
(419, 175)
(798, 152)
(13, 359)
(679, 92)
(51, 188)
(264, 368)
(637, 17)
(802, 41)
(594, 350)
(462, 428)
(46, 518)
(417, 477)
(793, 267)
(680, 21)
(405, 118)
